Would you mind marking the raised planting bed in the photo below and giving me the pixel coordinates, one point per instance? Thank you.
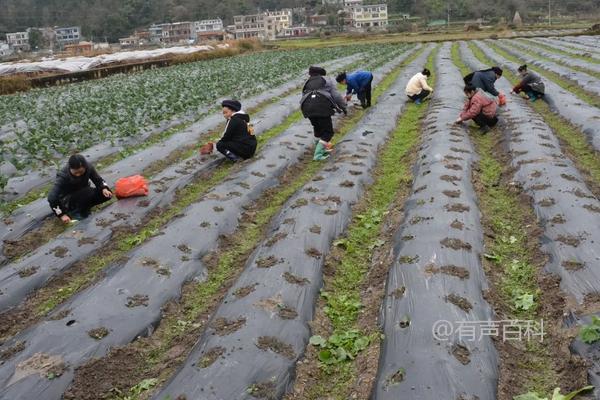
(575, 63)
(284, 274)
(568, 212)
(128, 302)
(566, 104)
(437, 273)
(36, 177)
(30, 216)
(582, 51)
(586, 82)
(79, 116)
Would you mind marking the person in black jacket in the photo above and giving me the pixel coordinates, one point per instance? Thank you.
(238, 141)
(72, 197)
(320, 100)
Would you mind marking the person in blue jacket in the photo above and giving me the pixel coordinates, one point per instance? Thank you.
(358, 82)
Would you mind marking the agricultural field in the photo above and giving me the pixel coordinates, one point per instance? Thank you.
(422, 260)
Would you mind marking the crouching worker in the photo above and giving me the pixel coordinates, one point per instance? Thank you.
(320, 100)
(360, 83)
(485, 80)
(480, 107)
(531, 83)
(417, 88)
(238, 141)
(72, 197)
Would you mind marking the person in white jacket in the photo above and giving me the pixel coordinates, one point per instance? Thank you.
(417, 88)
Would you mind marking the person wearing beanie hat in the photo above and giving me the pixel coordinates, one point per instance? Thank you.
(358, 82)
(316, 71)
(238, 141)
(233, 105)
(320, 100)
(485, 80)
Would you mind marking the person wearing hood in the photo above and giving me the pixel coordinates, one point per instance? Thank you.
(531, 83)
(72, 197)
(359, 83)
(320, 100)
(238, 141)
(417, 88)
(480, 107)
(485, 80)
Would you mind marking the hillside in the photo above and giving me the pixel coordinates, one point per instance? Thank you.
(117, 18)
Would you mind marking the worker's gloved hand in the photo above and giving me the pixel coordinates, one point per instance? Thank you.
(458, 121)
(348, 97)
(65, 218)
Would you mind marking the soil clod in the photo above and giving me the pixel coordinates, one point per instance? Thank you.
(224, 327)
(277, 346)
(456, 244)
(210, 357)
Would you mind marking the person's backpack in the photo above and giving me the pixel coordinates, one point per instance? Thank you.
(314, 102)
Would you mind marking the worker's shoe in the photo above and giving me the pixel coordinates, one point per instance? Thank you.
(532, 96)
(231, 156)
(321, 152)
(418, 101)
(484, 129)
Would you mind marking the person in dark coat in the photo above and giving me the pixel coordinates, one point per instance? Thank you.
(238, 141)
(72, 197)
(320, 100)
(531, 83)
(360, 83)
(485, 80)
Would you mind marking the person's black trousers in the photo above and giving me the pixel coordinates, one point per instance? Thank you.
(424, 93)
(364, 95)
(482, 120)
(323, 127)
(239, 149)
(82, 201)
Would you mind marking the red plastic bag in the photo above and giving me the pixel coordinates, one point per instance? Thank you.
(131, 186)
(501, 99)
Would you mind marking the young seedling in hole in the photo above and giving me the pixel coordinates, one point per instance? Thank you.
(590, 333)
(556, 395)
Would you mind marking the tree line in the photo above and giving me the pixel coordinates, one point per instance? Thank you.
(112, 19)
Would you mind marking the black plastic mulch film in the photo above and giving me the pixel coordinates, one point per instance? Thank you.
(253, 353)
(31, 215)
(571, 48)
(439, 232)
(565, 103)
(585, 81)
(562, 202)
(127, 303)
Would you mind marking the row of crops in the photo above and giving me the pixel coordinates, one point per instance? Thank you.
(43, 125)
(282, 278)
